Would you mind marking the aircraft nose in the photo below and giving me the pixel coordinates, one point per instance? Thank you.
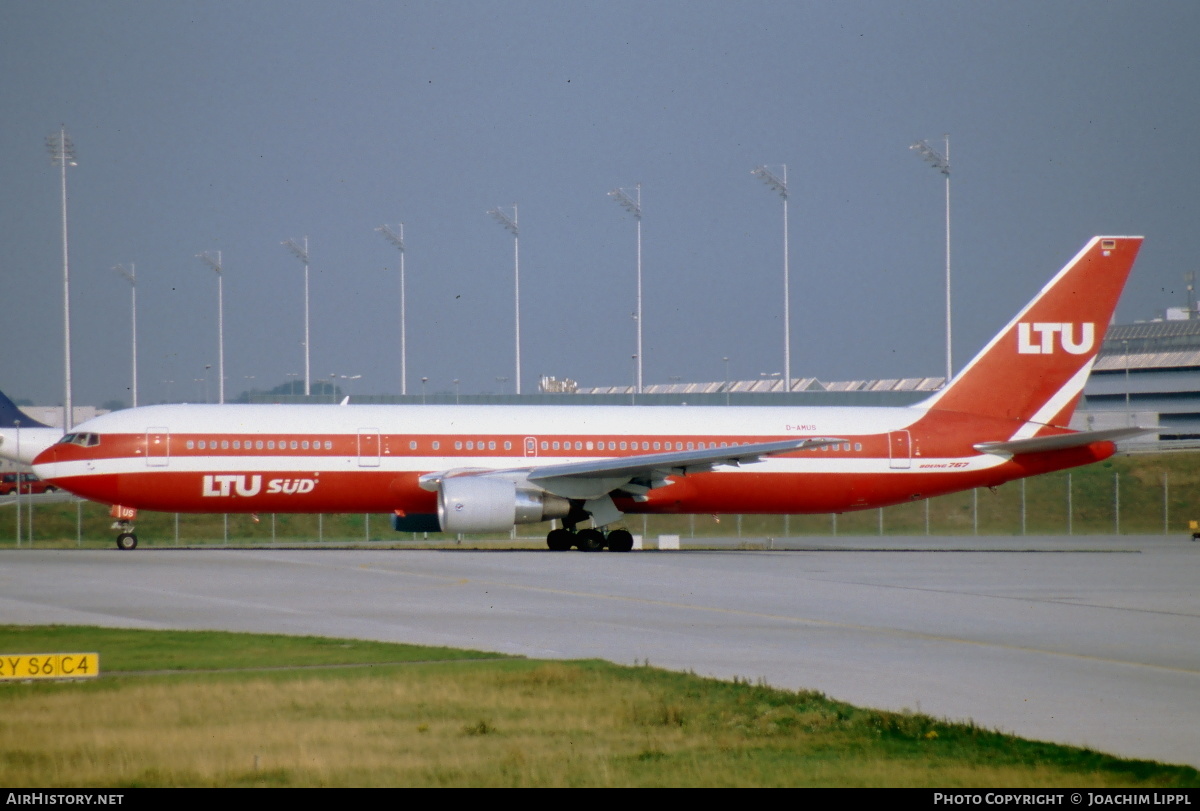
(45, 463)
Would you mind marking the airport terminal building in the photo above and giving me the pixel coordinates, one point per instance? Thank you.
(1147, 374)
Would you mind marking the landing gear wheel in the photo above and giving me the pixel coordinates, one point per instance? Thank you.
(560, 540)
(126, 541)
(620, 540)
(590, 540)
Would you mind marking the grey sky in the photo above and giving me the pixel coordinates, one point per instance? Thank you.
(235, 126)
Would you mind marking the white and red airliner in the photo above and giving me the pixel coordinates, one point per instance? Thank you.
(487, 468)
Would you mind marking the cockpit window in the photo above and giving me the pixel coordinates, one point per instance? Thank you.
(83, 440)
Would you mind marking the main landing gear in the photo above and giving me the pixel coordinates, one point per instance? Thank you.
(589, 540)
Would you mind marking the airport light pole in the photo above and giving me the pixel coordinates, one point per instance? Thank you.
(633, 204)
(726, 380)
(216, 265)
(397, 238)
(349, 378)
(170, 359)
(1128, 413)
(300, 250)
(17, 423)
(771, 376)
(62, 154)
(131, 277)
(941, 162)
(779, 185)
(510, 224)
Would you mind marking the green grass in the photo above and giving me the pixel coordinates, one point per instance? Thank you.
(459, 718)
(128, 650)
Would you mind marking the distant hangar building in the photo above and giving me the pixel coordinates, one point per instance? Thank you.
(1147, 374)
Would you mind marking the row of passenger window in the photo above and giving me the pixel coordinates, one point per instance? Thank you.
(581, 445)
(259, 444)
(600, 445)
(611, 445)
(471, 445)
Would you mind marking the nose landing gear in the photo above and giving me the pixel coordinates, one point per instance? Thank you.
(125, 517)
(127, 539)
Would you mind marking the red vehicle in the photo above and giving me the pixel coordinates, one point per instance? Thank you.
(30, 484)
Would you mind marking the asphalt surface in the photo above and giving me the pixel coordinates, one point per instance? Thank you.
(1093, 641)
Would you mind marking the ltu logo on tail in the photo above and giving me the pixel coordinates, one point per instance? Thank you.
(1027, 344)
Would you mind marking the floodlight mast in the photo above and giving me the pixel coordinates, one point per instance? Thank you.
(941, 162)
(131, 277)
(62, 153)
(219, 269)
(779, 185)
(397, 239)
(510, 224)
(634, 206)
(300, 250)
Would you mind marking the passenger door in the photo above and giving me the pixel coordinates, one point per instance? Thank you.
(158, 447)
(368, 447)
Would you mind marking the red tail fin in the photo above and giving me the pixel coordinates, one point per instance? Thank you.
(1034, 370)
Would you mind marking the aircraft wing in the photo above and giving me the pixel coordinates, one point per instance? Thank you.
(678, 462)
(1059, 442)
(635, 475)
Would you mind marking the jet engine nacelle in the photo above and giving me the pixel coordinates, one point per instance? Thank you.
(484, 504)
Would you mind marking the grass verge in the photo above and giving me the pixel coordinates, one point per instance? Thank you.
(249, 710)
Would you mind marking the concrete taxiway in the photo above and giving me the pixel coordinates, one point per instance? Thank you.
(1084, 640)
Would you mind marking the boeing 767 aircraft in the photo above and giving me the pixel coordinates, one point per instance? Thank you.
(487, 468)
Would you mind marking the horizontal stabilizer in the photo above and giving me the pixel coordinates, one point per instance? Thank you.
(1059, 442)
